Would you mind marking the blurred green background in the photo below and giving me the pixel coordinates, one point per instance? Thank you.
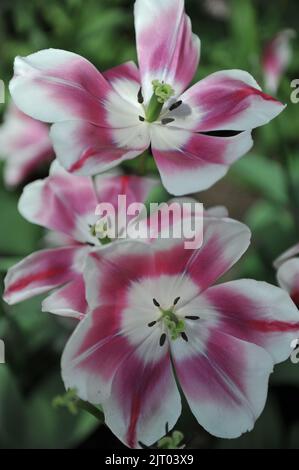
(262, 189)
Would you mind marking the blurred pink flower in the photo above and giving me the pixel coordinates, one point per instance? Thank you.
(101, 120)
(154, 316)
(276, 58)
(287, 266)
(219, 9)
(65, 204)
(24, 145)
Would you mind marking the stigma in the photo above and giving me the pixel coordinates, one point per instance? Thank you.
(175, 326)
(162, 92)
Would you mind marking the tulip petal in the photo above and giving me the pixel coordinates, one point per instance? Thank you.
(276, 57)
(224, 242)
(288, 278)
(224, 381)
(167, 48)
(68, 301)
(63, 203)
(53, 85)
(24, 144)
(193, 162)
(141, 410)
(89, 149)
(117, 267)
(103, 354)
(227, 100)
(93, 354)
(135, 188)
(256, 312)
(42, 271)
(286, 255)
(125, 80)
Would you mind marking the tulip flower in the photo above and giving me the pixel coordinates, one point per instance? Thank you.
(24, 145)
(287, 266)
(156, 321)
(101, 119)
(276, 58)
(66, 205)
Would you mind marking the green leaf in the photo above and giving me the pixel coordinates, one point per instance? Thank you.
(157, 195)
(294, 437)
(244, 31)
(60, 428)
(286, 373)
(6, 263)
(17, 236)
(262, 175)
(31, 422)
(273, 229)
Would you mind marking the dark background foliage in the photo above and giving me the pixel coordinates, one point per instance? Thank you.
(261, 189)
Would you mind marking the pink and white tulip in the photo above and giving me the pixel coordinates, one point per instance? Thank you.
(66, 204)
(219, 9)
(24, 145)
(287, 266)
(153, 311)
(276, 59)
(100, 120)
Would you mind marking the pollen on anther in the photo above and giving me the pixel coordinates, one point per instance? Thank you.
(175, 105)
(156, 303)
(191, 317)
(184, 336)
(162, 339)
(140, 96)
(176, 300)
(152, 323)
(167, 121)
(141, 118)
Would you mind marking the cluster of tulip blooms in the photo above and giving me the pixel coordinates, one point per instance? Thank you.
(148, 308)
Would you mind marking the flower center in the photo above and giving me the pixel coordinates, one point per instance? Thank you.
(162, 92)
(100, 230)
(175, 325)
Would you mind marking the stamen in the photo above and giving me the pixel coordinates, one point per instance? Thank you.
(141, 118)
(140, 96)
(175, 105)
(167, 121)
(156, 303)
(184, 336)
(176, 300)
(152, 323)
(192, 318)
(162, 339)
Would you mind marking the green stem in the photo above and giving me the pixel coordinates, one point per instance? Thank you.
(287, 162)
(143, 164)
(292, 192)
(91, 409)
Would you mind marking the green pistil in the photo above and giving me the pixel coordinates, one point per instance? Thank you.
(162, 93)
(99, 231)
(175, 325)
